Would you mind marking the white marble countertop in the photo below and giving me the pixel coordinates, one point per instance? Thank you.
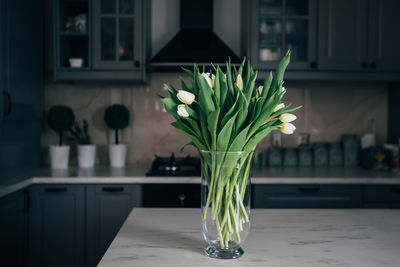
(13, 180)
(278, 238)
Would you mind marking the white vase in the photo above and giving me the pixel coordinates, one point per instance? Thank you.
(86, 155)
(59, 157)
(117, 154)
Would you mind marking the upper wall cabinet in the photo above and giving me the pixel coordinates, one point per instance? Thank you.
(115, 44)
(99, 40)
(384, 40)
(21, 82)
(279, 25)
(342, 34)
(357, 35)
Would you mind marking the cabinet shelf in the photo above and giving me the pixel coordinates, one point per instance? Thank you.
(263, 16)
(83, 34)
(73, 69)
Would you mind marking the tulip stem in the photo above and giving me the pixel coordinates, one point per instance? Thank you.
(225, 196)
(210, 190)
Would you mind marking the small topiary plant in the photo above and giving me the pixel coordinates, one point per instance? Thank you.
(81, 134)
(117, 118)
(60, 119)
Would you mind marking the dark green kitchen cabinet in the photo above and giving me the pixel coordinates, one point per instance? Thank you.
(21, 82)
(358, 35)
(107, 208)
(117, 41)
(57, 225)
(3, 54)
(274, 26)
(383, 40)
(13, 229)
(342, 34)
(100, 39)
(306, 196)
(381, 196)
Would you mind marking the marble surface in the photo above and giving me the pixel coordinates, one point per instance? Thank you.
(13, 180)
(172, 237)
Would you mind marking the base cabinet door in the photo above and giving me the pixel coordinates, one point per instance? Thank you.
(307, 196)
(13, 230)
(57, 221)
(107, 208)
(381, 196)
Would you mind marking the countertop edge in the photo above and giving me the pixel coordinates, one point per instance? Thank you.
(74, 177)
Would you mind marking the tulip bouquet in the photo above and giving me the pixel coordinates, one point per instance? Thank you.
(225, 112)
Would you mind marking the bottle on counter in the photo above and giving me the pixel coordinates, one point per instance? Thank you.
(351, 149)
(394, 156)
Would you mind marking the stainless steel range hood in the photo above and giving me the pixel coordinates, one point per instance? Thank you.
(195, 43)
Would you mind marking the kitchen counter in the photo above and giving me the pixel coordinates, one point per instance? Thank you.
(13, 180)
(172, 237)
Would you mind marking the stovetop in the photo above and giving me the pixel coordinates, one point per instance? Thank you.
(175, 166)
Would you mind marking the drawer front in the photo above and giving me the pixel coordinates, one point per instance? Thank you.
(382, 193)
(306, 196)
(113, 189)
(56, 189)
(172, 195)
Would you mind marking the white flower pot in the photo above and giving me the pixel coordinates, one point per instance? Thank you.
(59, 157)
(86, 155)
(117, 154)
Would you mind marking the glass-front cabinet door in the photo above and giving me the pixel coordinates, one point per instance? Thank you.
(279, 25)
(117, 34)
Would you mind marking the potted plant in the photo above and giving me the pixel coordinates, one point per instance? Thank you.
(60, 119)
(117, 118)
(86, 150)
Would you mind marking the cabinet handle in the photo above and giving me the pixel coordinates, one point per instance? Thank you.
(364, 65)
(313, 64)
(395, 189)
(7, 106)
(373, 65)
(113, 189)
(136, 63)
(309, 189)
(182, 198)
(55, 189)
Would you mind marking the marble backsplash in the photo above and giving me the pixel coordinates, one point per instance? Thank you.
(329, 109)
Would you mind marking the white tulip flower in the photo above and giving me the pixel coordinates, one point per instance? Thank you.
(185, 97)
(283, 90)
(239, 82)
(209, 80)
(278, 107)
(259, 89)
(182, 111)
(287, 128)
(287, 117)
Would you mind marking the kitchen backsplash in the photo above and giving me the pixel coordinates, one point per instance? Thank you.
(329, 109)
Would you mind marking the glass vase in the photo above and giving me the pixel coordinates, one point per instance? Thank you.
(225, 202)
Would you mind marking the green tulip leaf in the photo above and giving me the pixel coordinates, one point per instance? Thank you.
(224, 135)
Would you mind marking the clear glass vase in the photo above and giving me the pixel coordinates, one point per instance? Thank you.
(225, 202)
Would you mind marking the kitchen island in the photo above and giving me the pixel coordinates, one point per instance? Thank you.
(172, 237)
